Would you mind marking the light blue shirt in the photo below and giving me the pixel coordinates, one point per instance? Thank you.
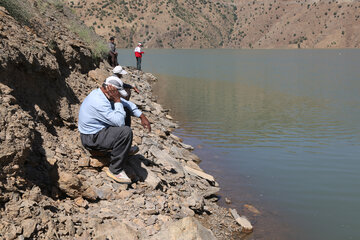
(97, 112)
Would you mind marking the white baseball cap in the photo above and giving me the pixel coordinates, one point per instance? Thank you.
(119, 70)
(116, 82)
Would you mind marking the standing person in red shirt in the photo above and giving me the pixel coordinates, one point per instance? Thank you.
(138, 55)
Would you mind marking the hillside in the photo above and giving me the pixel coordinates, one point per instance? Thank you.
(226, 24)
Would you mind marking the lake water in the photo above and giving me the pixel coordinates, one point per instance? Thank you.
(279, 129)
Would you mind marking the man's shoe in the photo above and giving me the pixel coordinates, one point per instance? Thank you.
(120, 177)
(133, 150)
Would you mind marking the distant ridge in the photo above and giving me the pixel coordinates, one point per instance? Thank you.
(225, 24)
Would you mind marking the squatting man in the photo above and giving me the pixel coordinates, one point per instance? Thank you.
(104, 123)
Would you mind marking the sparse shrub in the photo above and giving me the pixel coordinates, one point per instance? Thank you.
(96, 44)
(18, 10)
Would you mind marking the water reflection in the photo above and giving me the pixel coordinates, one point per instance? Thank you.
(288, 131)
(234, 114)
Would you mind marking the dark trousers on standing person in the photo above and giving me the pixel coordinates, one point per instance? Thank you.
(138, 63)
(116, 139)
(112, 58)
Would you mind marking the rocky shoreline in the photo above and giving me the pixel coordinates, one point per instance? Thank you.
(51, 187)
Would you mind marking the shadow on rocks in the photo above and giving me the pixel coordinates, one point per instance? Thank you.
(39, 170)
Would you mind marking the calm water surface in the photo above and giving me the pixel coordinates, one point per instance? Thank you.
(279, 129)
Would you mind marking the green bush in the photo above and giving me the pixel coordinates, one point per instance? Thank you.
(18, 10)
(97, 45)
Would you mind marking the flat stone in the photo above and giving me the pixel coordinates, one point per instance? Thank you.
(164, 218)
(139, 202)
(28, 226)
(84, 162)
(115, 230)
(144, 173)
(51, 161)
(124, 194)
(176, 138)
(186, 228)
(166, 160)
(242, 221)
(81, 202)
(193, 165)
(95, 162)
(137, 140)
(160, 133)
(140, 223)
(200, 174)
(186, 146)
(195, 201)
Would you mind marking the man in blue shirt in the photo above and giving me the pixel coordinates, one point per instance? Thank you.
(102, 127)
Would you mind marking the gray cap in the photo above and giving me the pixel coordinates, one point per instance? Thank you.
(116, 82)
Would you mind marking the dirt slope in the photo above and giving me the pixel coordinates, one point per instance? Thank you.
(227, 24)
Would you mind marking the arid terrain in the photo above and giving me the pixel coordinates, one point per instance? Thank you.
(224, 24)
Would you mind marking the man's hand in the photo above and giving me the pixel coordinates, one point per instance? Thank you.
(136, 90)
(145, 122)
(113, 93)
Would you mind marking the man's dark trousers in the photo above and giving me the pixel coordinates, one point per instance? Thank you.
(116, 139)
(112, 59)
(138, 63)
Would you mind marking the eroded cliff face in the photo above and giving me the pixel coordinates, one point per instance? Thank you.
(51, 187)
(41, 67)
(35, 68)
(42, 75)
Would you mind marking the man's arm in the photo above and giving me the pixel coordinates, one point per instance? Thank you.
(145, 122)
(131, 106)
(137, 113)
(131, 87)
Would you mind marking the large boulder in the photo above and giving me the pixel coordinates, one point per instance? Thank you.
(74, 187)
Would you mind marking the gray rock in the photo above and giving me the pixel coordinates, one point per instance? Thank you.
(115, 230)
(186, 146)
(184, 229)
(168, 162)
(69, 227)
(28, 226)
(144, 173)
(104, 193)
(195, 201)
(74, 187)
(139, 202)
(34, 194)
(149, 142)
(84, 162)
